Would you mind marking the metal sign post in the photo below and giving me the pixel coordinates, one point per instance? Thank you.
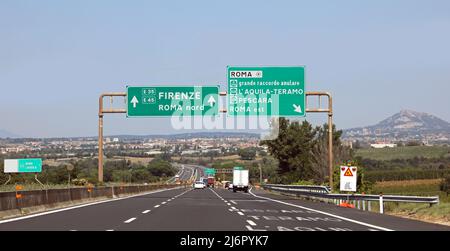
(329, 111)
(101, 112)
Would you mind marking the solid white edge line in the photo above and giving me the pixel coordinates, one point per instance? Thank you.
(129, 220)
(321, 212)
(83, 205)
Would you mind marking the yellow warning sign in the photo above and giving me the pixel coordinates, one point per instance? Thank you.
(348, 173)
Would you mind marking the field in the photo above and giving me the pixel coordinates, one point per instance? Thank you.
(408, 152)
(437, 213)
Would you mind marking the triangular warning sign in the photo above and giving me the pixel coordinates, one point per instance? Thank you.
(348, 173)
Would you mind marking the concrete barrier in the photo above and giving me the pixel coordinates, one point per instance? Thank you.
(41, 200)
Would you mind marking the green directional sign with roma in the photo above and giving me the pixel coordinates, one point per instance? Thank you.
(161, 101)
(266, 91)
(23, 165)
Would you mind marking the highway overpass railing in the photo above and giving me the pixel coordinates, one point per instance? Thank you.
(357, 200)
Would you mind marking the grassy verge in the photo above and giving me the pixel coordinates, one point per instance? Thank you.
(407, 152)
(436, 213)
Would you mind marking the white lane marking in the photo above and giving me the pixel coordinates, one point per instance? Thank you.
(109, 230)
(169, 200)
(233, 208)
(234, 202)
(73, 230)
(229, 209)
(251, 223)
(84, 205)
(225, 201)
(228, 204)
(129, 220)
(163, 202)
(321, 212)
(240, 213)
(146, 211)
(251, 229)
(156, 206)
(173, 198)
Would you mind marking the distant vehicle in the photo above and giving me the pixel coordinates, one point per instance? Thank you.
(240, 180)
(227, 184)
(199, 185)
(211, 181)
(230, 186)
(177, 176)
(205, 180)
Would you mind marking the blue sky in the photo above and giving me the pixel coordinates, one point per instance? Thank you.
(375, 57)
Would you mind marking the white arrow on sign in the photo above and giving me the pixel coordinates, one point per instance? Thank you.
(134, 101)
(297, 108)
(211, 101)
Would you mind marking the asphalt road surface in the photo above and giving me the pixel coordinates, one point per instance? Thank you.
(209, 209)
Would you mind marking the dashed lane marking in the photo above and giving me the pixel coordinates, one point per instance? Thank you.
(251, 223)
(240, 213)
(156, 206)
(146, 211)
(84, 205)
(129, 220)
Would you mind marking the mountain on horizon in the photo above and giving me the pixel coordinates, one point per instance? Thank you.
(6, 134)
(406, 123)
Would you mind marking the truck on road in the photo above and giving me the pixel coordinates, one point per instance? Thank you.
(211, 181)
(240, 179)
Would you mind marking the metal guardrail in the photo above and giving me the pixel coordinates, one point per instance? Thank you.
(304, 188)
(324, 193)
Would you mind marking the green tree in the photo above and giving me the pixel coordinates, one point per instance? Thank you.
(247, 153)
(293, 150)
(445, 185)
(320, 153)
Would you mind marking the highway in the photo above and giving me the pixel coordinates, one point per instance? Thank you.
(218, 209)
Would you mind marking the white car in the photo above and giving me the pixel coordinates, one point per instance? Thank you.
(230, 186)
(199, 185)
(177, 176)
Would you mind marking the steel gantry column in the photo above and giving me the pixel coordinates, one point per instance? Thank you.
(330, 126)
(101, 112)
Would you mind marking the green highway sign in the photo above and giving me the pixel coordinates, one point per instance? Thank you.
(266, 91)
(23, 165)
(161, 101)
(210, 171)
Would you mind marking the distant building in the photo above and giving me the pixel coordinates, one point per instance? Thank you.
(383, 145)
(156, 152)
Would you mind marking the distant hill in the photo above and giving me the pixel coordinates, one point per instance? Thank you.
(404, 124)
(6, 134)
